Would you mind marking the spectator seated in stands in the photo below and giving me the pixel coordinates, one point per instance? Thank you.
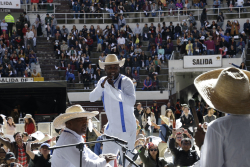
(216, 4)
(189, 48)
(136, 76)
(128, 73)
(121, 22)
(64, 47)
(146, 9)
(155, 83)
(74, 61)
(128, 64)
(97, 76)
(70, 77)
(145, 33)
(231, 52)
(179, 6)
(210, 46)
(9, 71)
(153, 9)
(186, 6)
(202, 5)
(135, 65)
(99, 43)
(2, 71)
(5, 38)
(191, 19)
(161, 53)
(168, 52)
(127, 8)
(234, 28)
(89, 43)
(246, 27)
(171, 8)
(86, 79)
(184, 156)
(147, 84)
(240, 46)
(35, 74)
(19, 67)
(122, 51)
(223, 51)
(157, 64)
(196, 3)
(76, 9)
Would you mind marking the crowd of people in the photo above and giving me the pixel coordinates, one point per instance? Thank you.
(18, 47)
(75, 48)
(152, 121)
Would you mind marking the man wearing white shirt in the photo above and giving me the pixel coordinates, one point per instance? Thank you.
(75, 120)
(121, 41)
(137, 30)
(30, 36)
(227, 139)
(4, 26)
(118, 96)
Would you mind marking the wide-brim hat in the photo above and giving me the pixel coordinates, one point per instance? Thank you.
(225, 89)
(111, 59)
(75, 111)
(140, 137)
(28, 116)
(165, 119)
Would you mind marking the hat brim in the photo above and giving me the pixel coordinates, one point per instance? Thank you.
(59, 122)
(205, 83)
(102, 64)
(164, 119)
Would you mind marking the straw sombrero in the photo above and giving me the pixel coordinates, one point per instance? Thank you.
(111, 59)
(165, 119)
(226, 90)
(75, 111)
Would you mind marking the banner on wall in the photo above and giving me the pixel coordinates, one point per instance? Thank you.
(202, 61)
(19, 79)
(10, 4)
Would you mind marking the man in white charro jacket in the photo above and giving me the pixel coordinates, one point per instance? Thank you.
(118, 96)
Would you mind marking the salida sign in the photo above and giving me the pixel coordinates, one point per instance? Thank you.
(8, 80)
(10, 4)
(202, 61)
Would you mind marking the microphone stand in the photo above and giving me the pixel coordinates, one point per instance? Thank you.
(80, 146)
(124, 150)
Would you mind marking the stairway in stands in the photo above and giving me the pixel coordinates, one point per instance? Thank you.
(47, 60)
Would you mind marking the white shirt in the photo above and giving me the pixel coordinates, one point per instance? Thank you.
(121, 40)
(30, 34)
(69, 156)
(4, 26)
(118, 104)
(227, 142)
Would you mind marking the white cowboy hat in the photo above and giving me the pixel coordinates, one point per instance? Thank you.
(111, 59)
(225, 89)
(165, 119)
(75, 111)
(28, 116)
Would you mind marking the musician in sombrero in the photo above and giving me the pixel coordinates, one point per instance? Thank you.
(74, 121)
(118, 96)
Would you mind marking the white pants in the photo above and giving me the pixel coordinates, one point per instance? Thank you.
(34, 41)
(161, 57)
(112, 147)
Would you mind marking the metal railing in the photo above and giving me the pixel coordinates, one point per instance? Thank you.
(158, 14)
(26, 6)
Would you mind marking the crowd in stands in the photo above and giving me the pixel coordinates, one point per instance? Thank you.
(36, 5)
(18, 46)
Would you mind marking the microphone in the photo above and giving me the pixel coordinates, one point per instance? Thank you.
(105, 136)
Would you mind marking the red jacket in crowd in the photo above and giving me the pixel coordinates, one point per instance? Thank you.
(30, 128)
(49, 1)
(34, 1)
(89, 42)
(24, 31)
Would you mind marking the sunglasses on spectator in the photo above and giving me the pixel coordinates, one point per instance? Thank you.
(153, 149)
(178, 137)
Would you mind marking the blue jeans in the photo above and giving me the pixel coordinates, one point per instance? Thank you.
(153, 14)
(168, 56)
(52, 30)
(78, 14)
(20, 70)
(111, 12)
(136, 68)
(32, 60)
(116, 26)
(210, 52)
